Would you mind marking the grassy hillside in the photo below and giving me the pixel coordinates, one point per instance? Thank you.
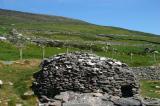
(31, 24)
(122, 41)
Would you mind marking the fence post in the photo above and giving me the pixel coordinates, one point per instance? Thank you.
(131, 57)
(43, 52)
(21, 53)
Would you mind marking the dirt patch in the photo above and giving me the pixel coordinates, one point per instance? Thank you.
(157, 91)
(1, 65)
(26, 63)
(158, 65)
(153, 81)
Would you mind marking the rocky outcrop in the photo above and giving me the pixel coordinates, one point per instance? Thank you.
(94, 99)
(70, 98)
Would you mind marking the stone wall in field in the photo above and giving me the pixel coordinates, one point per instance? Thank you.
(147, 73)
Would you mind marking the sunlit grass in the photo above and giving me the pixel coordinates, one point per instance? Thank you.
(150, 88)
(20, 75)
(9, 52)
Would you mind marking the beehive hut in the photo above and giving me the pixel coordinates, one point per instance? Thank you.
(84, 73)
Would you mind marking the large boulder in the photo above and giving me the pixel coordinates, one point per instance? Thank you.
(69, 98)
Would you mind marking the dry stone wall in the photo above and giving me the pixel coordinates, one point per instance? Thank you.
(84, 73)
(147, 73)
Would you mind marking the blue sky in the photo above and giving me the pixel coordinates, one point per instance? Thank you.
(141, 15)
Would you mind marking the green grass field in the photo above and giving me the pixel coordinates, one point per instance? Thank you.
(149, 89)
(9, 52)
(21, 77)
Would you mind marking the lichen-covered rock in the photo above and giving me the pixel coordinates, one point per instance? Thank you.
(84, 73)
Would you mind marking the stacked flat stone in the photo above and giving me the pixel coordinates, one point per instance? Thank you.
(147, 73)
(83, 73)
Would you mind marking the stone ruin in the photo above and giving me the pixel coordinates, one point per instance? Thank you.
(84, 73)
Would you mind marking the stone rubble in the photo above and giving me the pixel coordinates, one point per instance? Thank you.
(85, 73)
(70, 98)
(84, 79)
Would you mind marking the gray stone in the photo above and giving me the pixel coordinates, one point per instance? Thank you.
(127, 102)
(64, 96)
(84, 73)
(151, 102)
(147, 73)
(76, 104)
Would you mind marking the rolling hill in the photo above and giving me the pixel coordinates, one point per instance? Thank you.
(79, 35)
(29, 22)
